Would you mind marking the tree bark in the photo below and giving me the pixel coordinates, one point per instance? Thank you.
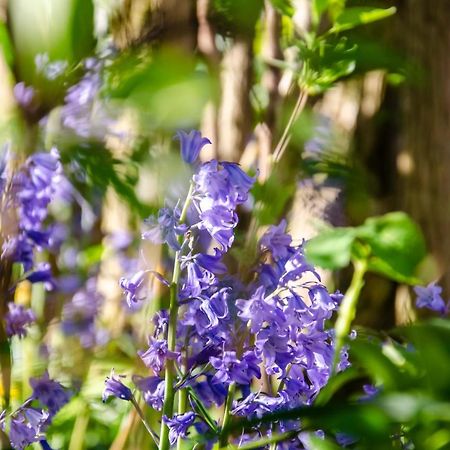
(424, 157)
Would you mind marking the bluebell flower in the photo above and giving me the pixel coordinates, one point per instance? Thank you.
(18, 318)
(220, 222)
(26, 427)
(212, 310)
(152, 389)
(277, 241)
(191, 144)
(258, 310)
(42, 274)
(241, 182)
(33, 187)
(49, 392)
(179, 425)
(165, 229)
(230, 369)
(430, 297)
(115, 388)
(21, 434)
(211, 392)
(196, 280)
(212, 263)
(156, 355)
(259, 404)
(134, 288)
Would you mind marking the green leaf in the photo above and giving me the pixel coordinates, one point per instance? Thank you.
(353, 17)
(397, 245)
(331, 249)
(6, 45)
(325, 62)
(284, 7)
(369, 355)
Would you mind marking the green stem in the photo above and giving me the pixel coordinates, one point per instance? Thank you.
(223, 439)
(170, 364)
(172, 337)
(202, 410)
(77, 437)
(347, 310)
(285, 138)
(182, 404)
(144, 421)
(269, 440)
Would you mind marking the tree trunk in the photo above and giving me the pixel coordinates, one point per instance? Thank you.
(424, 156)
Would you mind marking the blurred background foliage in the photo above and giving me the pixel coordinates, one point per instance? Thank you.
(341, 110)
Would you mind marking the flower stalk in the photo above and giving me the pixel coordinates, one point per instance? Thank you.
(347, 310)
(169, 393)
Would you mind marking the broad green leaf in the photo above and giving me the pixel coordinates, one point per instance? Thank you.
(331, 249)
(284, 7)
(353, 17)
(397, 245)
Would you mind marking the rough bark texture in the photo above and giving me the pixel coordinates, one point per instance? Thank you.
(424, 157)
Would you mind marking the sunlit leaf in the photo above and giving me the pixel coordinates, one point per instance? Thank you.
(331, 249)
(354, 17)
(397, 245)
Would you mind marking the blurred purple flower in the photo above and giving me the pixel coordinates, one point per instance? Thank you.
(191, 144)
(17, 319)
(430, 297)
(49, 392)
(23, 94)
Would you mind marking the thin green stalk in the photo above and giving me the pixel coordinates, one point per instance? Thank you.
(268, 440)
(144, 421)
(170, 366)
(202, 410)
(347, 310)
(223, 439)
(171, 337)
(77, 438)
(285, 138)
(182, 404)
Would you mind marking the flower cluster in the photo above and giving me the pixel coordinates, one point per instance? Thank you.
(24, 209)
(28, 423)
(232, 329)
(80, 313)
